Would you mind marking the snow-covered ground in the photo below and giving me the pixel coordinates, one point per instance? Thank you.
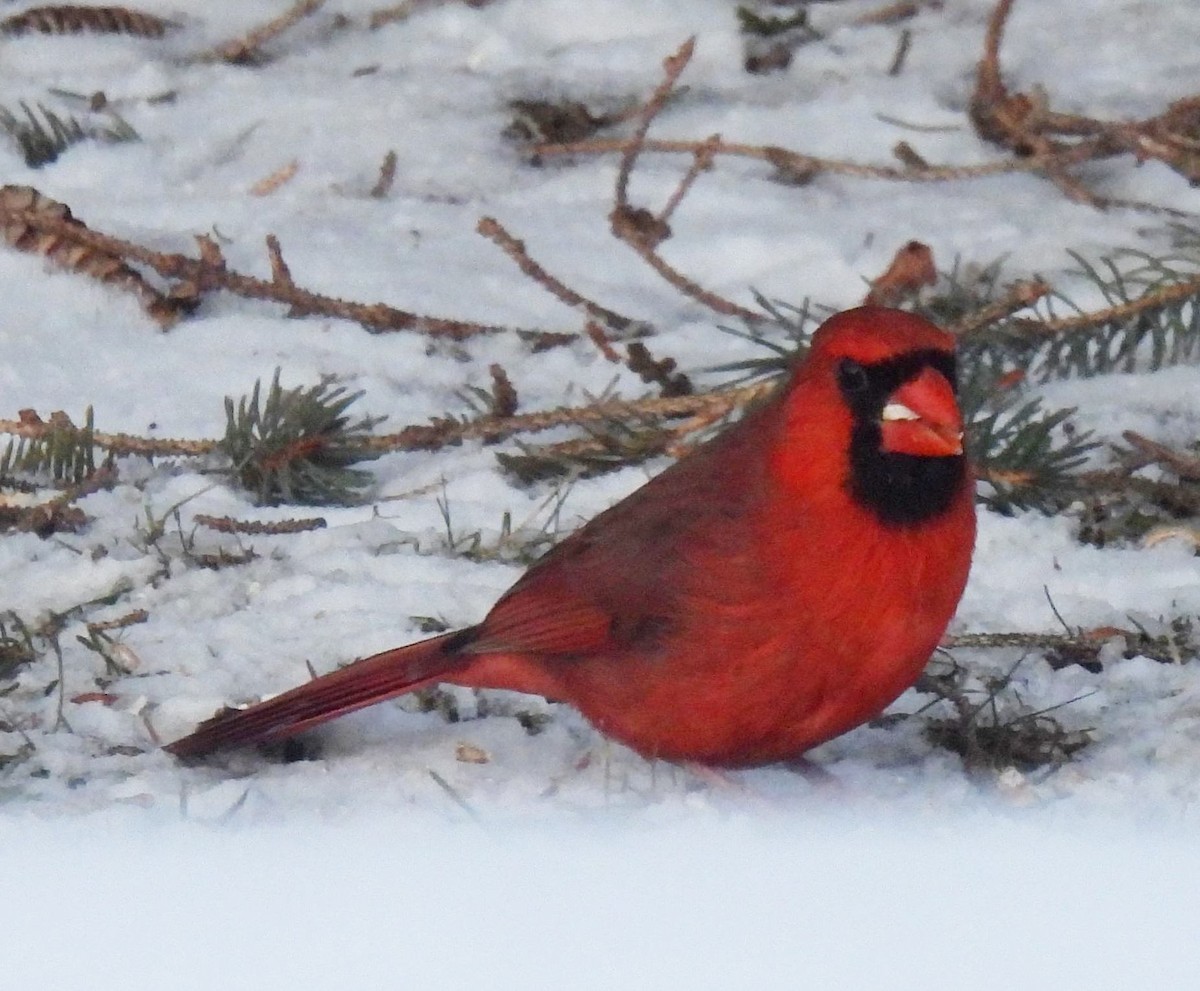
(562, 859)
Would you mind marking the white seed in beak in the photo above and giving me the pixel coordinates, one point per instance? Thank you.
(898, 411)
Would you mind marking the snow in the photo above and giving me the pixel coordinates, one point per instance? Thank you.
(745, 904)
(563, 859)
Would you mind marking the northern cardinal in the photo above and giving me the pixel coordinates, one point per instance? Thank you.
(775, 588)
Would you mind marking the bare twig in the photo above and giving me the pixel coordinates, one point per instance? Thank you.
(280, 177)
(37, 224)
(387, 176)
(1022, 123)
(209, 273)
(800, 162)
(673, 66)
(495, 232)
(901, 55)
(76, 19)
(248, 48)
(1186, 466)
(1018, 296)
(890, 13)
(642, 230)
(701, 162)
(227, 524)
(121, 622)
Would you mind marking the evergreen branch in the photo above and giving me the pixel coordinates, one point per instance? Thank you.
(1159, 297)
(448, 432)
(1152, 319)
(1018, 296)
(59, 514)
(60, 449)
(1024, 455)
(298, 445)
(32, 427)
(43, 138)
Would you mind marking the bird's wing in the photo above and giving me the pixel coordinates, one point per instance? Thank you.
(616, 582)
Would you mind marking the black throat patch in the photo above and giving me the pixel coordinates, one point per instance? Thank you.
(902, 490)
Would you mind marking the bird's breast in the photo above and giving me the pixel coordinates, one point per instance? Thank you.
(787, 640)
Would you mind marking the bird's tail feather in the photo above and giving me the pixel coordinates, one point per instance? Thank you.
(373, 679)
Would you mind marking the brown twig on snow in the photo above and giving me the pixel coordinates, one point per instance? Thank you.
(248, 48)
(33, 222)
(890, 13)
(400, 12)
(495, 232)
(1021, 123)
(811, 165)
(702, 161)
(396, 12)
(1025, 124)
(280, 177)
(901, 55)
(387, 176)
(642, 230)
(75, 19)
(132, 618)
(673, 66)
(227, 524)
(596, 333)
(1186, 466)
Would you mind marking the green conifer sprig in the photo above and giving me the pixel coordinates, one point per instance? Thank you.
(43, 135)
(1155, 337)
(299, 445)
(1025, 455)
(607, 447)
(16, 647)
(66, 453)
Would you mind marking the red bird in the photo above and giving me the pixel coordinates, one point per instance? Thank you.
(777, 587)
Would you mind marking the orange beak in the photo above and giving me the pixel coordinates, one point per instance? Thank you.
(922, 418)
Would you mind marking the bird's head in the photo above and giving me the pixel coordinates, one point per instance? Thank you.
(884, 384)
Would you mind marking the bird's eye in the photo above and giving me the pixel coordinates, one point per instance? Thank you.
(852, 377)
